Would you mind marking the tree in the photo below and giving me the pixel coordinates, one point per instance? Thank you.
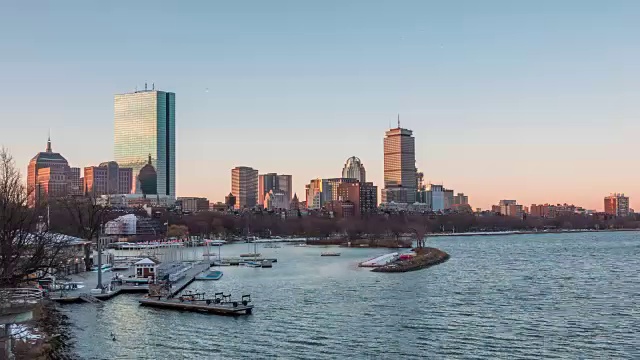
(177, 231)
(27, 251)
(82, 217)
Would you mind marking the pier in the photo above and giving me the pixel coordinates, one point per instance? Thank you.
(201, 306)
(220, 305)
(188, 278)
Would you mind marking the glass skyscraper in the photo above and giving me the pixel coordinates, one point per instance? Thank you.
(145, 125)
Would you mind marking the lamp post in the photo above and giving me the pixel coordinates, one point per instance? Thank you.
(99, 249)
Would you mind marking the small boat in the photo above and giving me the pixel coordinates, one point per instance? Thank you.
(120, 267)
(329, 253)
(272, 246)
(221, 263)
(300, 245)
(267, 263)
(105, 267)
(253, 264)
(215, 242)
(210, 275)
(250, 255)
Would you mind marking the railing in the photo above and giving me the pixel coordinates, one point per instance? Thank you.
(19, 297)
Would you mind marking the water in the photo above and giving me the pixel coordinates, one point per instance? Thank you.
(517, 297)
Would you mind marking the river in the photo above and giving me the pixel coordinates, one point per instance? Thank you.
(517, 297)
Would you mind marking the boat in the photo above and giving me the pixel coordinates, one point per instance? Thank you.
(300, 245)
(253, 264)
(120, 267)
(272, 246)
(221, 263)
(105, 267)
(250, 255)
(209, 275)
(267, 263)
(215, 242)
(329, 253)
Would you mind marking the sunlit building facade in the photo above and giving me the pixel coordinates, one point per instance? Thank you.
(400, 174)
(48, 174)
(244, 186)
(107, 178)
(616, 204)
(353, 169)
(145, 126)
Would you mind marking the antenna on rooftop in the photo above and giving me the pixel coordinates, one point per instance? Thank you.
(398, 120)
(153, 86)
(145, 86)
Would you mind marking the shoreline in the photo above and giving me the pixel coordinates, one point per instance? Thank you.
(527, 232)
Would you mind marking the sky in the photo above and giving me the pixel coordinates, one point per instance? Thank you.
(536, 101)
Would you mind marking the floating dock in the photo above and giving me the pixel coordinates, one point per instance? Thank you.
(199, 306)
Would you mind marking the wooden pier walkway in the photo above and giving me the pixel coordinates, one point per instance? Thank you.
(189, 277)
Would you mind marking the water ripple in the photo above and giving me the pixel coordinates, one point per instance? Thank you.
(520, 297)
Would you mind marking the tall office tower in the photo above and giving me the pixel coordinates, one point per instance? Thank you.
(616, 204)
(353, 169)
(277, 183)
(285, 185)
(244, 186)
(145, 125)
(400, 184)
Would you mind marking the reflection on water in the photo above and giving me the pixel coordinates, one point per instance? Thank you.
(526, 297)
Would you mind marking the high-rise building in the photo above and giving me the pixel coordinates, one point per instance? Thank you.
(509, 208)
(461, 199)
(75, 182)
(145, 124)
(364, 196)
(616, 204)
(313, 192)
(39, 183)
(277, 183)
(353, 169)
(400, 183)
(244, 186)
(108, 178)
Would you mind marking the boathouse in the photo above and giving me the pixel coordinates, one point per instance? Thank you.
(146, 268)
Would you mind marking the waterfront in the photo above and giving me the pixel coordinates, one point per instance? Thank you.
(521, 296)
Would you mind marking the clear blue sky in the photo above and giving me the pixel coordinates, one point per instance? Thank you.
(532, 100)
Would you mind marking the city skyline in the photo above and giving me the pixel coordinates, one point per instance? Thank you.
(500, 106)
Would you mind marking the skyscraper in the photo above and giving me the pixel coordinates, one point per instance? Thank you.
(244, 186)
(400, 182)
(145, 126)
(353, 169)
(277, 183)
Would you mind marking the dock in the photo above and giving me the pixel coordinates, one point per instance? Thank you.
(242, 260)
(189, 277)
(200, 306)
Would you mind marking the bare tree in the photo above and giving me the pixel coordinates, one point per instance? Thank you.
(27, 251)
(82, 217)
